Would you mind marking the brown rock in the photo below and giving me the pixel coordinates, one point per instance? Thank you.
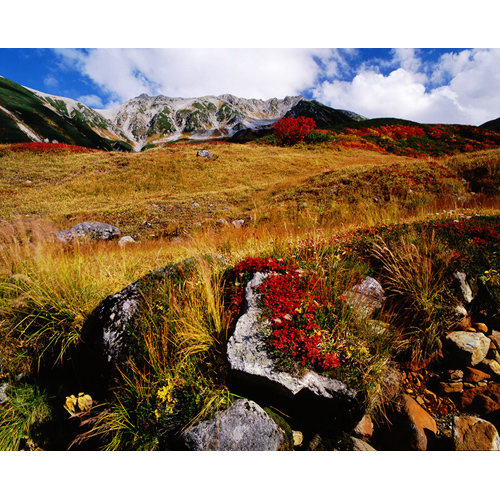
(364, 428)
(474, 434)
(422, 425)
(490, 365)
(480, 400)
(450, 387)
(480, 327)
(359, 445)
(473, 375)
(495, 338)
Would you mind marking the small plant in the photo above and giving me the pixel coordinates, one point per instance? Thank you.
(290, 131)
(21, 416)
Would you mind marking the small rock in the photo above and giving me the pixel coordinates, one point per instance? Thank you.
(360, 445)
(474, 434)
(465, 289)
(469, 347)
(474, 375)
(238, 223)
(364, 299)
(364, 428)
(223, 222)
(495, 338)
(90, 230)
(204, 153)
(450, 387)
(3, 395)
(456, 374)
(125, 241)
(298, 438)
(480, 327)
(490, 366)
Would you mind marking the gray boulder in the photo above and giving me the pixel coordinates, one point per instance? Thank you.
(109, 329)
(89, 230)
(245, 426)
(204, 153)
(365, 298)
(252, 365)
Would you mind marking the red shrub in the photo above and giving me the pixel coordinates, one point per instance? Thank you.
(291, 131)
(44, 147)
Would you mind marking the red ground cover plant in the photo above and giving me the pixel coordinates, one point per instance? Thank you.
(48, 147)
(291, 131)
(294, 303)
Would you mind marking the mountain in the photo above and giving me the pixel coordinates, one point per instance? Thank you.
(492, 125)
(24, 117)
(30, 115)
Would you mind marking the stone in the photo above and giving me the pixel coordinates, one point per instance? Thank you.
(238, 223)
(298, 438)
(125, 240)
(480, 327)
(364, 428)
(252, 365)
(490, 366)
(470, 348)
(474, 434)
(3, 392)
(204, 153)
(481, 400)
(89, 230)
(474, 375)
(245, 426)
(450, 387)
(365, 298)
(409, 427)
(223, 222)
(495, 338)
(465, 290)
(360, 445)
(461, 318)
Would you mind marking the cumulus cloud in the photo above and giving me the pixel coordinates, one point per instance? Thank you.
(259, 73)
(468, 94)
(457, 87)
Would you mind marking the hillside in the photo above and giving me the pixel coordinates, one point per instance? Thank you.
(24, 117)
(145, 121)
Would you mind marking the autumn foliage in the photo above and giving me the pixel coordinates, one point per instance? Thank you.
(291, 131)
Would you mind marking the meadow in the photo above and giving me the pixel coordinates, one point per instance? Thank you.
(318, 207)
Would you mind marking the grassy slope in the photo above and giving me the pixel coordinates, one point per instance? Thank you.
(159, 186)
(41, 119)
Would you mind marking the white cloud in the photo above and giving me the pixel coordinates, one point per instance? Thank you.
(259, 73)
(460, 87)
(469, 96)
(91, 100)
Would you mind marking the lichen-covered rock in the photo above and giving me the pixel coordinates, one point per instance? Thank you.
(474, 434)
(89, 230)
(366, 297)
(248, 354)
(245, 426)
(204, 153)
(252, 365)
(470, 348)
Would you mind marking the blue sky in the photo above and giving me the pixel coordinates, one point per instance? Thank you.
(430, 84)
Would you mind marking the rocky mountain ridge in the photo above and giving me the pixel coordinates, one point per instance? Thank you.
(30, 115)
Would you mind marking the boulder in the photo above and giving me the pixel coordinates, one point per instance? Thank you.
(204, 153)
(245, 426)
(473, 375)
(409, 427)
(89, 230)
(469, 348)
(463, 286)
(253, 367)
(474, 434)
(480, 400)
(360, 445)
(366, 297)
